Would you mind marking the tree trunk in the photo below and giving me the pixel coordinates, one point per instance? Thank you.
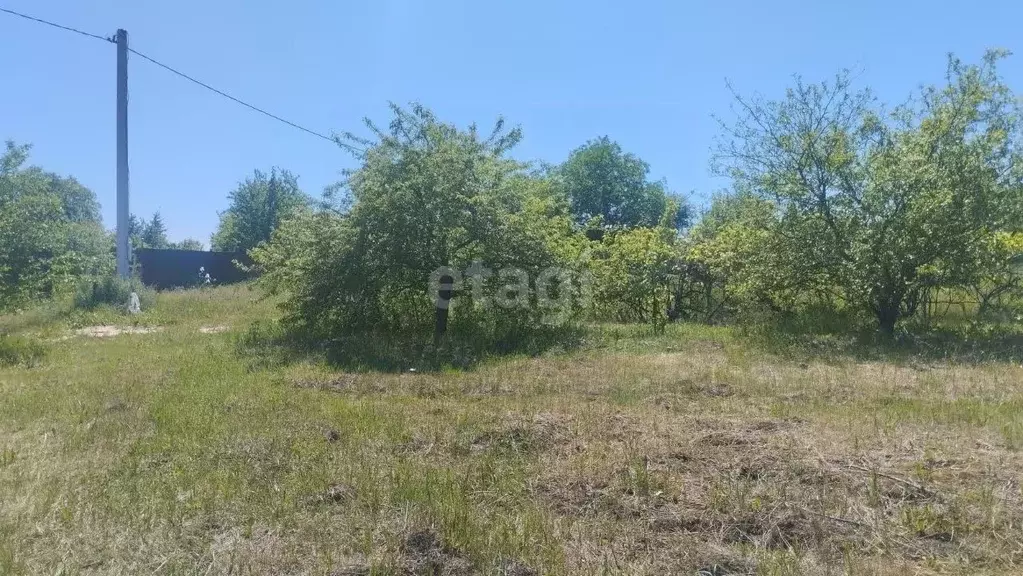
(887, 315)
(443, 305)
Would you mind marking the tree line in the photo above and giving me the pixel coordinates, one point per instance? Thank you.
(52, 237)
(840, 208)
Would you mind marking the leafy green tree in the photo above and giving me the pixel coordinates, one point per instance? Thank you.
(609, 188)
(427, 196)
(258, 206)
(136, 226)
(633, 272)
(144, 233)
(884, 205)
(50, 233)
(188, 244)
(740, 246)
(997, 273)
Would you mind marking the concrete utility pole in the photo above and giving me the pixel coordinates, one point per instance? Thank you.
(122, 154)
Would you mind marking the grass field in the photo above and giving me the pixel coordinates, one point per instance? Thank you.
(177, 451)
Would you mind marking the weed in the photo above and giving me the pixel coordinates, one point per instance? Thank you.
(20, 351)
(630, 451)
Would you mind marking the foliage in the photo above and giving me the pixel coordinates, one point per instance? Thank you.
(144, 233)
(50, 233)
(428, 195)
(188, 244)
(609, 188)
(997, 281)
(258, 206)
(883, 205)
(761, 273)
(20, 350)
(632, 272)
(112, 291)
(154, 235)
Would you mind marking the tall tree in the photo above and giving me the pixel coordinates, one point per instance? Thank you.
(154, 233)
(50, 233)
(885, 205)
(428, 196)
(258, 206)
(603, 182)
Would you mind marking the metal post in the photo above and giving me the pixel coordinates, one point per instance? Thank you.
(122, 154)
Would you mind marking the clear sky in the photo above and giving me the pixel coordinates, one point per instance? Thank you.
(649, 74)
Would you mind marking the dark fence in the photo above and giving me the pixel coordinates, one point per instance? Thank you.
(176, 268)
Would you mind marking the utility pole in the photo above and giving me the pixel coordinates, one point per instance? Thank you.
(122, 154)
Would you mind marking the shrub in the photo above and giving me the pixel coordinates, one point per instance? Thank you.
(428, 197)
(51, 233)
(633, 275)
(15, 350)
(113, 291)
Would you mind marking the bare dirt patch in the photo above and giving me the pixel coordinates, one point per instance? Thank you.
(335, 494)
(343, 384)
(111, 331)
(212, 329)
(424, 553)
(541, 432)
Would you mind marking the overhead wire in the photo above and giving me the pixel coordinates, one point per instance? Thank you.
(228, 96)
(174, 71)
(55, 25)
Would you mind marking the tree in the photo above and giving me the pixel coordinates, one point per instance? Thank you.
(427, 197)
(147, 234)
(258, 206)
(884, 205)
(188, 244)
(50, 233)
(154, 233)
(136, 226)
(998, 271)
(607, 185)
(633, 271)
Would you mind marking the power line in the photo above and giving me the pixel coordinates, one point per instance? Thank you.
(55, 25)
(177, 72)
(229, 97)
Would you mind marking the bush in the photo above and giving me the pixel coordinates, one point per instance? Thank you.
(633, 274)
(15, 350)
(428, 198)
(112, 291)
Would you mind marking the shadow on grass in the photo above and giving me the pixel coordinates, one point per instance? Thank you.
(269, 344)
(968, 344)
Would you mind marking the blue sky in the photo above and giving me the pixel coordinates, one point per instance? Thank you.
(648, 74)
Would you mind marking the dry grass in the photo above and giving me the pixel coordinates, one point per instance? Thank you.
(168, 453)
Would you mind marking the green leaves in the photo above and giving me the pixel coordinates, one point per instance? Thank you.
(601, 181)
(258, 206)
(632, 272)
(884, 206)
(427, 195)
(50, 233)
(154, 235)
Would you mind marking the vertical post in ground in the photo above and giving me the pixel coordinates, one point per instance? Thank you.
(122, 154)
(447, 284)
